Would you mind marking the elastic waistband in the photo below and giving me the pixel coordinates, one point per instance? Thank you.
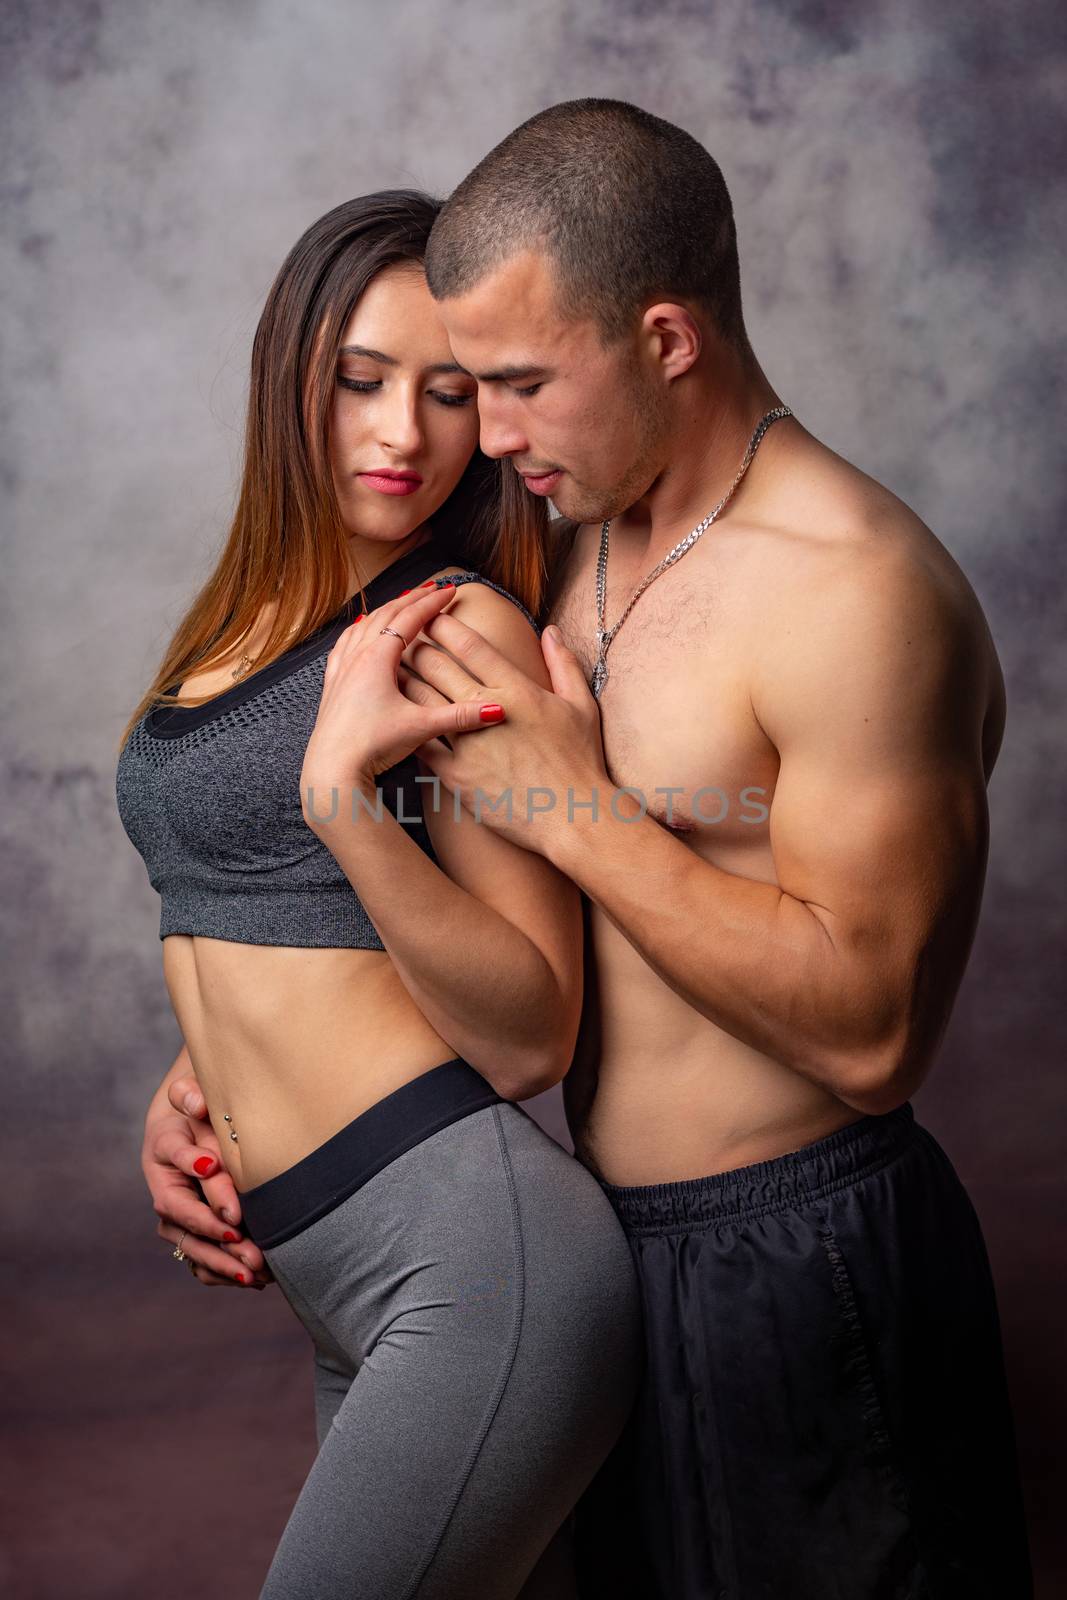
(790, 1180)
(284, 1206)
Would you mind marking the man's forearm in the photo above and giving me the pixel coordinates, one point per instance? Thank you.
(756, 961)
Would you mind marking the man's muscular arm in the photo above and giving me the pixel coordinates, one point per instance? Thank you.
(847, 972)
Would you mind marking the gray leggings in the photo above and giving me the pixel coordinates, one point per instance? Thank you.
(478, 1344)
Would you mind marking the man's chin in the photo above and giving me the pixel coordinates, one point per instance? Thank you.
(571, 502)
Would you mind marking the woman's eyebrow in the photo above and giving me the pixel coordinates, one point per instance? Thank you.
(391, 361)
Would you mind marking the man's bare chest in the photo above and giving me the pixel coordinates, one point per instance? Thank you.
(676, 717)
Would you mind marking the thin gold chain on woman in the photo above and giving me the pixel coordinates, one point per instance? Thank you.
(246, 662)
(604, 636)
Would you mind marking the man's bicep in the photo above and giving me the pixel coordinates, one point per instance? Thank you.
(879, 811)
(868, 850)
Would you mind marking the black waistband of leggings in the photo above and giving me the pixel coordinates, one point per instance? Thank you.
(789, 1180)
(284, 1206)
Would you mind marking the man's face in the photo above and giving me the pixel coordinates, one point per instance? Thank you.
(582, 422)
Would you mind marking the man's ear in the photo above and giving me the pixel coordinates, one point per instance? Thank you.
(675, 339)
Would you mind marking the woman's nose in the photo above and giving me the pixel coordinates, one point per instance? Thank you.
(401, 428)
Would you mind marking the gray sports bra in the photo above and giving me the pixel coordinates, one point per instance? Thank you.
(210, 796)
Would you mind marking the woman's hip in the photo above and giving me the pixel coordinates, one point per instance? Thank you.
(447, 1207)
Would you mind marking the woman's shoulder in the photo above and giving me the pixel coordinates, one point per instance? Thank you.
(500, 618)
(464, 576)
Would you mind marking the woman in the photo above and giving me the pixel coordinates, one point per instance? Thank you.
(361, 1032)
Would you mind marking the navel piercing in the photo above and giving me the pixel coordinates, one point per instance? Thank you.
(233, 1131)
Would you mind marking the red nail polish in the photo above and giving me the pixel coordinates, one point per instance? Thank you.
(492, 713)
(241, 1278)
(204, 1165)
(405, 591)
(230, 1238)
(359, 618)
(429, 584)
(448, 586)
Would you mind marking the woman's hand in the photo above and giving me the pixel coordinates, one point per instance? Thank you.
(192, 1193)
(365, 723)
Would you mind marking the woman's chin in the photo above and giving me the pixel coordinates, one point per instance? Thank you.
(370, 522)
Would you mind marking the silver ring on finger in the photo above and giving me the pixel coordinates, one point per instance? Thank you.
(396, 635)
(178, 1253)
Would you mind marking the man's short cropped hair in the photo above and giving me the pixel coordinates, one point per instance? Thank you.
(631, 209)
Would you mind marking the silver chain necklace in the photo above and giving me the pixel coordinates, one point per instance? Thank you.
(604, 636)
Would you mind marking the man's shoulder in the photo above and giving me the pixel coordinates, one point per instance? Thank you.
(877, 607)
(844, 533)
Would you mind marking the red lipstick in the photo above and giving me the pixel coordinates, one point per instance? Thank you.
(386, 481)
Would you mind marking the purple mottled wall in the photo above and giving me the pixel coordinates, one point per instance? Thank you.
(897, 176)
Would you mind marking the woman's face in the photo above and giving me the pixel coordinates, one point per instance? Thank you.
(405, 418)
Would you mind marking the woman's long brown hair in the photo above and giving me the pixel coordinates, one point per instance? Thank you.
(287, 542)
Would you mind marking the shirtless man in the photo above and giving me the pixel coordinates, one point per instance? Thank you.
(777, 812)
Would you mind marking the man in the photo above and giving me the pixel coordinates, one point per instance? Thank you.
(775, 804)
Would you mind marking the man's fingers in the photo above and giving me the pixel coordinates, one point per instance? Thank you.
(186, 1096)
(438, 668)
(474, 652)
(438, 759)
(564, 668)
(449, 713)
(419, 693)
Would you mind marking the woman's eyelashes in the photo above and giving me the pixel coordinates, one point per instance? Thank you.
(368, 386)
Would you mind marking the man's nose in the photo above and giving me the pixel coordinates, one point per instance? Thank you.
(499, 436)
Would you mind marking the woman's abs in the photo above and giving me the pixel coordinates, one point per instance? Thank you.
(290, 1044)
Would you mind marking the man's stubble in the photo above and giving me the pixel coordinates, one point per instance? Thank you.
(585, 503)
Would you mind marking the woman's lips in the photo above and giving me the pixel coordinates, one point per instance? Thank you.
(390, 483)
(543, 483)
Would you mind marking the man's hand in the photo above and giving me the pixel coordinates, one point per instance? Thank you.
(193, 1193)
(365, 725)
(548, 752)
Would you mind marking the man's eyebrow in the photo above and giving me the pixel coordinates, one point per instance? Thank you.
(507, 374)
(391, 361)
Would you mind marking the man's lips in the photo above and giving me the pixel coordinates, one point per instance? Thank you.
(542, 482)
(388, 482)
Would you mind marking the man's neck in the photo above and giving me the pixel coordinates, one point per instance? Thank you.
(709, 438)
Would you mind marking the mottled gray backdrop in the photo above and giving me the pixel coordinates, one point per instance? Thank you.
(897, 176)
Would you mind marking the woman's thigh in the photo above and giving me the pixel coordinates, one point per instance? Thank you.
(483, 1300)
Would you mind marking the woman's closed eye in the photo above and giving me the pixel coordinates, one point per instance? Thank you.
(447, 399)
(360, 385)
(368, 386)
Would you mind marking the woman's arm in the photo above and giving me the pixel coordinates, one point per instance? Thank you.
(490, 948)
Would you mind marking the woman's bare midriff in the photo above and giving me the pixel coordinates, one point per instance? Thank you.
(293, 1043)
